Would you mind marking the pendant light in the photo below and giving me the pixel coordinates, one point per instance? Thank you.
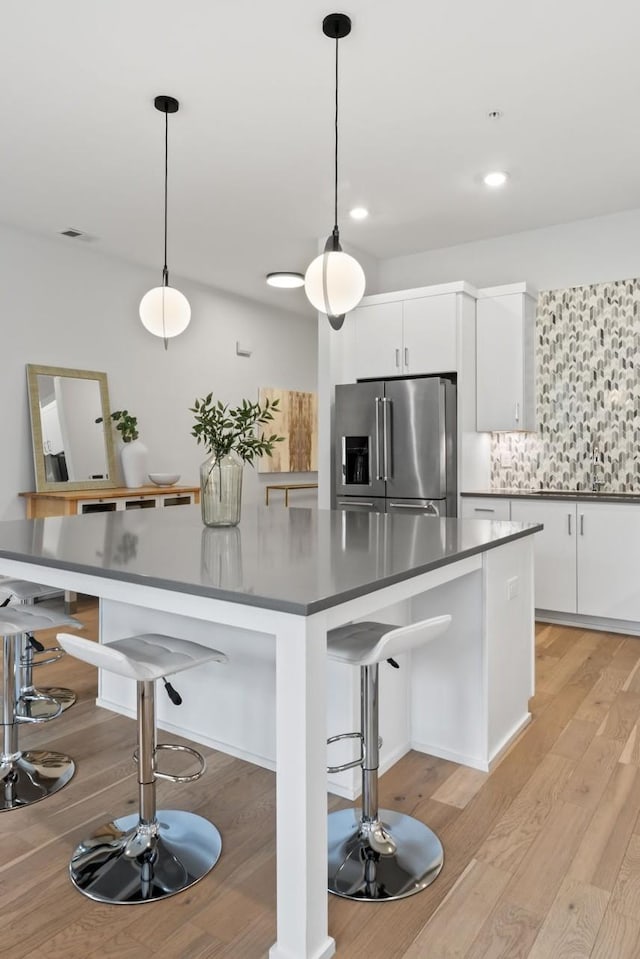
(165, 311)
(334, 281)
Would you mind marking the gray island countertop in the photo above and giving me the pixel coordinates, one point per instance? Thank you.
(293, 560)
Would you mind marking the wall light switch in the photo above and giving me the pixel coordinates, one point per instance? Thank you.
(506, 459)
(242, 350)
(513, 587)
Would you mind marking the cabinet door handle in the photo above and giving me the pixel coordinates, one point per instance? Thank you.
(397, 359)
(569, 523)
(582, 524)
(406, 357)
(517, 412)
(484, 509)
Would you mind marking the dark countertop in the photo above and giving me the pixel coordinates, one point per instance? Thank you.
(604, 496)
(293, 560)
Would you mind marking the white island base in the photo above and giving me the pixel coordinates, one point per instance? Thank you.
(462, 698)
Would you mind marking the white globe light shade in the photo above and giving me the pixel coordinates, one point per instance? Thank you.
(165, 311)
(334, 283)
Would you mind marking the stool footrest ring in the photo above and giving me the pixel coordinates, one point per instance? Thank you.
(53, 654)
(355, 762)
(173, 747)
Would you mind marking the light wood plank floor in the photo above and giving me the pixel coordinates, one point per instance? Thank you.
(542, 856)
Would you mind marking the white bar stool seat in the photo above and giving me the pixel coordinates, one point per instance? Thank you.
(153, 853)
(377, 854)
(26, 777)
(26, 592)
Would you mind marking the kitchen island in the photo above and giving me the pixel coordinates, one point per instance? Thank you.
(267, 593)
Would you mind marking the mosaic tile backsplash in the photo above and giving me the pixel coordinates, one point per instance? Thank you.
(588, 396)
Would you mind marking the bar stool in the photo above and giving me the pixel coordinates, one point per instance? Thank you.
(377, 854)
(153, 853)
(26, 777)
(26, 593)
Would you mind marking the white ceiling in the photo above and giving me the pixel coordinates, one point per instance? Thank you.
(251, 148)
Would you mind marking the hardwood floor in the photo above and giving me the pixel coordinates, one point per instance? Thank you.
(542, 855)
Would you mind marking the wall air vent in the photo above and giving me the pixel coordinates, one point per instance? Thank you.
(74, 234)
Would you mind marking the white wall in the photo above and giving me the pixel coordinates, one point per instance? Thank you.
(68, 305)
(572, 254)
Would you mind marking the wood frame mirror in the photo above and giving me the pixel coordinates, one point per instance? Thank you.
(71, 432)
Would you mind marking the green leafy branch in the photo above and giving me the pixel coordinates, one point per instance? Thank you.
(222, 429)
(126, 424)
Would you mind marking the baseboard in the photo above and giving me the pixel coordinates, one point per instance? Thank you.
(455, 757)
(483, 764)
(508, 742)
(626, 626)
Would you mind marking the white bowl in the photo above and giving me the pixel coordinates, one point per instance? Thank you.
(164, 479)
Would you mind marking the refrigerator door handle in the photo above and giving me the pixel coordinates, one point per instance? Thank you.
(378, 464)
(443, 441)
(429, 508)
(387, 469)
(355, 502)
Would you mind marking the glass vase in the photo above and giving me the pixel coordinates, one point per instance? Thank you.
(221, 490)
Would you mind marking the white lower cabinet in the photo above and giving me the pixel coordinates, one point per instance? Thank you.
(587, 557)
(609, 560)
(554, 550)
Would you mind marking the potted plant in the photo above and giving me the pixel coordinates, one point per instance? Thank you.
(133, 453)
(232, 438)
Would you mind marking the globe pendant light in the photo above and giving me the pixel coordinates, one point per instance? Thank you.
(165, 311)
(334, 281)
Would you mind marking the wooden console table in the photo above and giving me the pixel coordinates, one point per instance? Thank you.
(287, 487)
(76, 502)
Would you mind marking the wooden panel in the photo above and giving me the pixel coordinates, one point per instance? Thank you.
(602, 849)
(570, 929)
(297, 421)
(618, 936)
(461, 916)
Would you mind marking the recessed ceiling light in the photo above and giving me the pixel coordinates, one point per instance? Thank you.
(497, 178)
(359, 213)
(285, 279)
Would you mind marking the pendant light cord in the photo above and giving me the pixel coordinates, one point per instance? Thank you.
(165, 269)
(335, 159)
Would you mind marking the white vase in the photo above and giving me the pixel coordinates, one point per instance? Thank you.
(133, 458)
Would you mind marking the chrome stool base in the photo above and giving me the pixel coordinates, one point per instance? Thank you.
(35, 775)
(125, 861)
(39, 709)
(357, 871)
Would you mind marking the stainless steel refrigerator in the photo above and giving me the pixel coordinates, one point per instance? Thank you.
(395, 446)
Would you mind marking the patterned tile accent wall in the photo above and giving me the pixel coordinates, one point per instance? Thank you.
(588, 394)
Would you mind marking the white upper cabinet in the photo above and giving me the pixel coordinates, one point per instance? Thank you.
(407, 337)
(378, 341)
(429, 329)
(505, 330)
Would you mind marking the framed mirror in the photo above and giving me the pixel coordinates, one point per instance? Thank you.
(70, 429)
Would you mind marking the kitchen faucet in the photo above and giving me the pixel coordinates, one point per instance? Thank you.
(596, 467)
